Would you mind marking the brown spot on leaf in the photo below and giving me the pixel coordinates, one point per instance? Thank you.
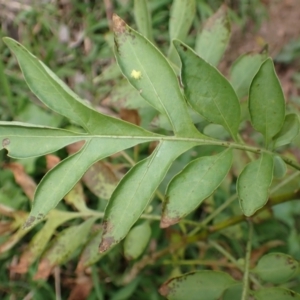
(5, 142)
(22, 179)
(167, 221)
(219, 15)
(29, 222)
(101, 179)
(164, 290)
(106, 244)
(119, 26)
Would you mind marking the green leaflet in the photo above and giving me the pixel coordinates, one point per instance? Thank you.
(90, 254)
(243, 71)
(288, 132)
(266, 102)
(279, 167)
(24, 140)
(212, 41)
(208, 285)
(151, 74)
(234, 292)
(135, 191)
(181, 19)
(63, 246)
(142, 18)
(197, 181)
(253, 184)
(276, 267)
(137, 240)
(62, 178)
(55, 94)
(208, 91)
(275, 293)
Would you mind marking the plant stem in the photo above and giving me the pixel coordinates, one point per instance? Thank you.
(247, 263)
(214, 214)
(200, 141)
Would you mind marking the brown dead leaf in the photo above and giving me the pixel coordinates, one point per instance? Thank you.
(7, 227)
(101, 179)
(256, 254)
(23, 264)
(22, 179)
(75, 147)
(44, 269)
(51, 161)
(130, 115)
(82, 288)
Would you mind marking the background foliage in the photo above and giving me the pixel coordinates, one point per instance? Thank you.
(75, 41)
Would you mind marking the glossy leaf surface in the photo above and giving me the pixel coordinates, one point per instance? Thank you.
(253, 184)
(266, 102)
(208, 285)
(208, 91)
(197, 181)
(276, 267)
(212, 41)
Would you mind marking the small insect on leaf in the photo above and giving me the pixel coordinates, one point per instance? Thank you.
(136, 74)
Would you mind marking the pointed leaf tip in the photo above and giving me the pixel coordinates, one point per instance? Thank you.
(119, 26)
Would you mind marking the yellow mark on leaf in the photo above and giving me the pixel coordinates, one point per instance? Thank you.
(136, 74)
